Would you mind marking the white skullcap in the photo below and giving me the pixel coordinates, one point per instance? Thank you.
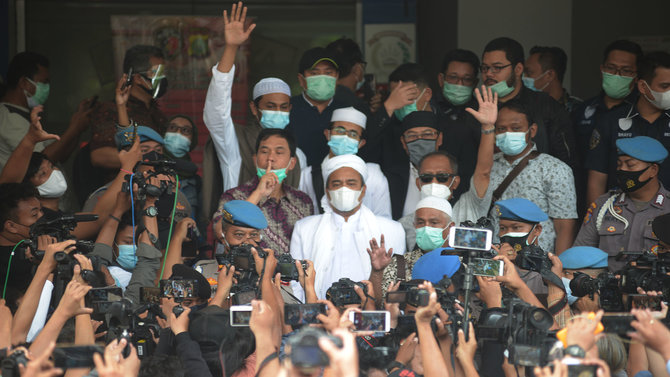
(349, 114)
(271, 85)
(342, 161)
(433, 202)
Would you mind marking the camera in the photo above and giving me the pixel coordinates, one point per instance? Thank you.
(124, 322)
(60, 229)
(286, 267)
(10, 364)
(342, 292)
(605, 284)
(305, 350)
(533, 258)
(649, 272)
(413, 296)
(242, 258)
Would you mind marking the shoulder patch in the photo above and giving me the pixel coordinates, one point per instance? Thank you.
(618, 210)
(589, 213)
(595, 139)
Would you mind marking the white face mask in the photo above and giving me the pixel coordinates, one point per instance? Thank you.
(54, 187)
(344, 199)
(661, 99)
(437, 190)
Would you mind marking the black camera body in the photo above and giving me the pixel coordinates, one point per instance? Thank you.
(342, 292)
(605, 284)
(10, 364)
(533, 258)
(242, 259)
(124, 323)
(649, 272)
(286, 267)
(305, 350)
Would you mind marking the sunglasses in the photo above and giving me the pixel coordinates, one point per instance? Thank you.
(442, 177)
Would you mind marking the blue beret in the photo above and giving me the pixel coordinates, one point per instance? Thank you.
(520, 209)
(643, 148)
(433, 266)
(244, 214)
(578, 257)
(124, 137)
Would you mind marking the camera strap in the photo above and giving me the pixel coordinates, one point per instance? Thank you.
(497, 194)
(554, 279)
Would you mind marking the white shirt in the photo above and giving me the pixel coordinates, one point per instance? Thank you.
(377, 196)
(413, 194)
(219, 122)
(121, 276)
(13, 127)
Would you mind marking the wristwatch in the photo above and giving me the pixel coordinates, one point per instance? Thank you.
(575, 351)
(393, 365)
(151, 211)
(489, 131)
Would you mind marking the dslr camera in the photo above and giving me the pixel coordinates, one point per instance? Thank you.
(533, 258)
(342, 292)
(286, 267)
(605, 284)
(305, 350)
(242, 258)
(649, 272)
(10, 364)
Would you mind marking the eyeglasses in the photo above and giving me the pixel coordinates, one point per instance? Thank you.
(186, 130)
(455, 79)
(411, 136)
(493, 68)
(343, 131)
(621, 71)
(441, 177)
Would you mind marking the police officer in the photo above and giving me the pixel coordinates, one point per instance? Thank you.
(621, 220)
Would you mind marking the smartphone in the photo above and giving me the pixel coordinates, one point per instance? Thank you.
(302, 314)
(178, 288)
(580, 370)
(652, 303)
(618, 323)
(150, 295)
(371, 320)
(76, 356)
(101, 307)
(104, 294)
(487, 267)
(240, 315)
(470, 238)
(129, 79)
(189, 249)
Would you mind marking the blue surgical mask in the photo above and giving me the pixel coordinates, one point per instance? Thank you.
(274, 119)
(177, 144)
(40, 96)
(568, 291)
(511, 143)
(529, 82)
(342, 144)
(126, 258)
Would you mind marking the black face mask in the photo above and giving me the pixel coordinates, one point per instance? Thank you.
(629, 181)
(160, 87)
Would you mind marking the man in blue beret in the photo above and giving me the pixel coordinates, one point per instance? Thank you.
(150, 140)
(242, 223)
(621, 219)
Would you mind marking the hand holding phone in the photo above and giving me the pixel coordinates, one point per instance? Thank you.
(240, 315)
(371, 320)
(470, 238)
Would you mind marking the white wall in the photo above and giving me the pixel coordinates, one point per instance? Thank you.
(531, 22)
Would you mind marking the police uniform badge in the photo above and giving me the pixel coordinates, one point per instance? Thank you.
(595, 139)
(498, 213)
(589, 111)
(589, 213)
(625, 123)
(611, 229)
(618, 210)
(228, 216)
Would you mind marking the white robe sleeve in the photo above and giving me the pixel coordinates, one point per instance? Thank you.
(40, 317)
(377, 193)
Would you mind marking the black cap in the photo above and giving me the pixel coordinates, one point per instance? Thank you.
(661, 227)
(209, 327)
(184, 272)
(313, 56)
(419, 119)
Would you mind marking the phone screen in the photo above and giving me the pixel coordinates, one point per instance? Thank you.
(470, 238)
(370, 321)
(76, 356)
(105, 294)
(652, 303)
(178, 288)
(396, 297)
(240, 316)
(486, 267)
(303, 314)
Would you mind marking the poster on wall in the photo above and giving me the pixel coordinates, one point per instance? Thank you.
(387, 46)
(192, 46)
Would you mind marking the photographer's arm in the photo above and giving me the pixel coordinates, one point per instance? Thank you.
(556, 294)
(224, 284)
(465, 352)
(6, 321)
(307, 280)
(268, 340)
(174, 251)
(513, 281)
(433, 363)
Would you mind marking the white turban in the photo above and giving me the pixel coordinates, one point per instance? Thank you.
(271, 85)
(344, 161)
(349, 114)
(433, 202)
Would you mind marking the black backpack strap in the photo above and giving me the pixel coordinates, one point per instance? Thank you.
(317, 183)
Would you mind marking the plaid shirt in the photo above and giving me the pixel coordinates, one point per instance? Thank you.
(281, 215)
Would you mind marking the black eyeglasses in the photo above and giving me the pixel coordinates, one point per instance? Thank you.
(441, 177)
(495, 68)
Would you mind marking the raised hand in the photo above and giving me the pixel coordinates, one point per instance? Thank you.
(122, 91)
(379, 257)
(403, 94)
(488, 107)
(36, 133)
(234, 31)
(129, 158)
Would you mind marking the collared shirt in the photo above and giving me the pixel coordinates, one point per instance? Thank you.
(623, 123)
(546, 181)
(281, 215)
(14, 125)
(413, 194)
(613, 236)
(307, 125)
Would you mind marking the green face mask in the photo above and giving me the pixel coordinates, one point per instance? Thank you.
(40, 96)
(280, 173)
(501, 88)
(429, 238)
(320, 87)
(616, 86)
(404, 111)
(457, 94)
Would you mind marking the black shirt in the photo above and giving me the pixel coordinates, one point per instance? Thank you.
(20, 273)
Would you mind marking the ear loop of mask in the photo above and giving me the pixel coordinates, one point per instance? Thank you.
(529, 233)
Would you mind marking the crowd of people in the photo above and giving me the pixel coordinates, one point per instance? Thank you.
(336, 202)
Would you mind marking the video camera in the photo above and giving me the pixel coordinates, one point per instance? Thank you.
(605, 284)
(161, 166)
(124, 322)
(649, 272)
(61, 229)
(533, 258)
(342, 292)
(305, 350)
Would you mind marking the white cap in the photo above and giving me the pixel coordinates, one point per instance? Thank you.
(345, 160)
(433, 202)
(271, 85)
(349, 114)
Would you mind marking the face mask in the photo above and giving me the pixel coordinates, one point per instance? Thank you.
(54, 187)
(280, 173)
(419, 148)
(629, 181)
(40, 96)
(127, 258)
(320, 87)
(616, 86)
(344, 199)
(429, 238)
(517, 240)
(457, 94)
(511, 143)
(402, 112)
(274, 119)
(661, 99)
(529, 82)
(159, 82)
(437, 190)
(342, 144)
(568, 291)
(177, 143)
(501, 88)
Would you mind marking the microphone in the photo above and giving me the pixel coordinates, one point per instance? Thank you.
(85, 217)
(179, 165)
